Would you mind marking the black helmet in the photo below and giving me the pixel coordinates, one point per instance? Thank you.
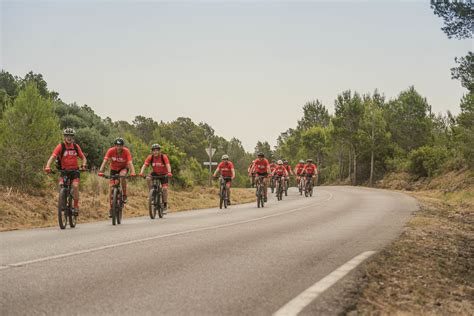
(69, 131)
(155, 146)
(119, 141)
(260, 154)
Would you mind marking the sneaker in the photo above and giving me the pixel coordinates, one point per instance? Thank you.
(75, 211)
(165, 208)
(110, 213)
(125, 199)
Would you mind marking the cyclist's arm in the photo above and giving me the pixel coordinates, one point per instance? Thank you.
(233, 173)
(217, 170)
(102, 166)
(131, 167)
(50, 161)
(142, 170)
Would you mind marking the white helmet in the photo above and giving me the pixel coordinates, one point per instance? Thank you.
(280, 162)
(225, 157)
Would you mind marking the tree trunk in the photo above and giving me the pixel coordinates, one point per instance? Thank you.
(350, 165)
(372, 168)
(355, 168)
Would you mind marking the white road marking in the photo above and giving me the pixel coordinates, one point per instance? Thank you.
(297, 304)
(79, 252)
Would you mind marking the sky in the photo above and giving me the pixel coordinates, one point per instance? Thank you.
(244, 67)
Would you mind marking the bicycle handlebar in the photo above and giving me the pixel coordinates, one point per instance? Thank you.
(115, 176)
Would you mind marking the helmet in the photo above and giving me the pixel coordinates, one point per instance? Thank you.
(225, 157)
(280, 162)
(301, 161)
(119, 141)
(285, 162)
(155, 146)
(309, 160)
(69, 131)
(260, 154)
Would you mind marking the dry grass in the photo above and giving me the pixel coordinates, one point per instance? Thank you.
(430, 268)
(19, 210)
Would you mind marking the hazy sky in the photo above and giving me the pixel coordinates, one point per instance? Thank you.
(244, 67)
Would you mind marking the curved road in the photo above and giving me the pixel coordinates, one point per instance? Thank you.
(242, 260)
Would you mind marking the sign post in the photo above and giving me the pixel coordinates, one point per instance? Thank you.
(210, 152)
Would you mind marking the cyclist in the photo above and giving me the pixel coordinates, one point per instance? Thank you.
(310, 170)
(289, 171)
(66, 154)
(161, 167)
(251, 174)
(299, 170)
(121, 163)
(226, 169)
(261, 167)
(272, 168)
(280, 171)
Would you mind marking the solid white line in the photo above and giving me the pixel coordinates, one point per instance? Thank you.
(79, 252)
(297, 304)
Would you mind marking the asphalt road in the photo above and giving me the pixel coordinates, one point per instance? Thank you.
(242, 260)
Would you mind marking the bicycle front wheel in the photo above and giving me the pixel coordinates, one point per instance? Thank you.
(151, 204)
(115, 206)
(62, 218)
(71, 216)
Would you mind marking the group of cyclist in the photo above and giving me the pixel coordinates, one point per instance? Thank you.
(67, 153)
(260, 167)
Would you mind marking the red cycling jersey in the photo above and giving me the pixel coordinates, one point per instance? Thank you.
(272, 166)
(280, 170)
(225, 168)
(310, 169)
(69, 158)
(261, 166)
(158, 163)
(299, 168)
(119, 161)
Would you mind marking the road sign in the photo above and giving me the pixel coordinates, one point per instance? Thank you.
(206, 163)
(210, 152)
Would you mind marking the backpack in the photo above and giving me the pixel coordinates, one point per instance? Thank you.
(59, 157)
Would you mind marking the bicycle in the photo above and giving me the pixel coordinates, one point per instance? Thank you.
(260, 191)
(287, 184)
(155, 197)
(272, 184)
(279, 187)
(223, 191)
(308, 186)
(117, 198)
(65, 200)
(301, 186)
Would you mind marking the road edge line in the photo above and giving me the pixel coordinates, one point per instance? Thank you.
(297, 304)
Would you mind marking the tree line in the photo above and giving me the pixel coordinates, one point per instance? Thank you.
(32, 118)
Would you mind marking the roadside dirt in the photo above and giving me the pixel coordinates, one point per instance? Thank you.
(19, 210)
(430, 268)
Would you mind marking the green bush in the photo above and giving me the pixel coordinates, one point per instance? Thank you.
(426, 161)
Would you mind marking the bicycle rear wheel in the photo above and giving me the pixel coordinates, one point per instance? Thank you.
(62, 218)
(70, 214)
(151, 204)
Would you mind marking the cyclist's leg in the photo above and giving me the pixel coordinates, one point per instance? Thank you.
(228, 185)
(123, 182)
(265, 184)
(164, 187)
(149, 181)
(75, 193)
